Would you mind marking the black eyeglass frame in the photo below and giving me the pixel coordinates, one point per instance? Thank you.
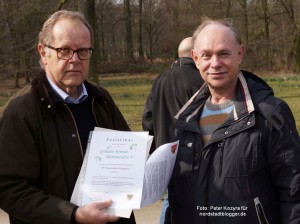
(73, 51)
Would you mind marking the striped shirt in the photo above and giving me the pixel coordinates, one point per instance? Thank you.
(212, 116)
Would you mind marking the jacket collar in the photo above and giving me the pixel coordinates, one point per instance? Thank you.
(243, 104)
(48, 98)
(183, 61)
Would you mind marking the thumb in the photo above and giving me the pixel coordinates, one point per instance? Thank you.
(105, 204)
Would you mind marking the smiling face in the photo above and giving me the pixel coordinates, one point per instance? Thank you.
(218, 55)
(67, 74)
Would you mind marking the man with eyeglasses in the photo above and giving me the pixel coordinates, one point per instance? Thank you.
(44, 130)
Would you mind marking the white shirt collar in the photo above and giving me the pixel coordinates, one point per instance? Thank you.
(66, 97)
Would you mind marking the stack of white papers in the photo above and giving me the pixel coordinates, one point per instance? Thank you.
(116, 166)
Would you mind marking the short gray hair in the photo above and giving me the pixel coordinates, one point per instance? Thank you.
(45, 35)
(205, 21)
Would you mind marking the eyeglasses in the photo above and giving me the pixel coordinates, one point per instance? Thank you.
(67, 53)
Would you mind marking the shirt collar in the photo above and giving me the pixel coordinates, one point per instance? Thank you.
(66, 97)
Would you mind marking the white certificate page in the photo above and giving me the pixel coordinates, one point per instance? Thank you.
(115, 168)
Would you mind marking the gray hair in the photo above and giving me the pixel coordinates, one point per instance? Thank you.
(45, 35)
(225, 22)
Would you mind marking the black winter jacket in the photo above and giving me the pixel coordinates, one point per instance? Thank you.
(41, 153)
(170, 91)
(250, 168)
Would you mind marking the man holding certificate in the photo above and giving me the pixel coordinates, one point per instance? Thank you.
(44, 130)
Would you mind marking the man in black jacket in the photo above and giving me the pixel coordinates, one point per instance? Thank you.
(239, 151)
(170, 91)
(44, 130)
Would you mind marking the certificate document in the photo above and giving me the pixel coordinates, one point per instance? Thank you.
(116, 166)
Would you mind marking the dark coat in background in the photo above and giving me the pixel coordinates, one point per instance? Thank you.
(170, 91)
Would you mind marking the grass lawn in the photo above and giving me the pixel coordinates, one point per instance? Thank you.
(288, 89)
(131, 91)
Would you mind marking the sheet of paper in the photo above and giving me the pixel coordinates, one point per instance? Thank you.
(112, 170)
(119, 159)
(150, 139)
(76, 197)
(158, 172)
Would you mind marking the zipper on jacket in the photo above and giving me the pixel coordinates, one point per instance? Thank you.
(260, 212)
(93, 111)
(221, 147)
(77, 132)
(229, 124)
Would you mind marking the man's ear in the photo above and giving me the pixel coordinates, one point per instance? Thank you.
(195, 57)
(42, 52)
(241, 52)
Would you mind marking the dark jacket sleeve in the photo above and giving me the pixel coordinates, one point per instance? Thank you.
(147, 119)
(284, 157)
(19, 173)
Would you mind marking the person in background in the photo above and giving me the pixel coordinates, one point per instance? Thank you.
(239, 152)
(44, 130)
(170, 91)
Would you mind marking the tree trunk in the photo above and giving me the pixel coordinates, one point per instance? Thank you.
(296, 53)
(61, 4)
(87, 7)
(16, 77)
(128, 35)
(141, 50)
(288, 6)
(244, 6)
(268, 53)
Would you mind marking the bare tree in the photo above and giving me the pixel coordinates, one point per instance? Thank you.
(88, 9)
(61, 4)
(266, 20)
(20, 17)
(140, 31)
(270, 30)
(128, 34)
(153, 25)
(294, 55)
(244, 5)
(101, 8)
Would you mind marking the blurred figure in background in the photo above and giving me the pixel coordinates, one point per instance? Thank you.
(170, 91)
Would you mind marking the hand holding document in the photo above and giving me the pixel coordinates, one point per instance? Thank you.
(116, 167)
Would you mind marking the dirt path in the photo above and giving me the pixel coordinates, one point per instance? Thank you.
(149, 214)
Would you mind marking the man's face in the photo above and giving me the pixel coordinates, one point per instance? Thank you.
(67, 74)
(218, 56)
